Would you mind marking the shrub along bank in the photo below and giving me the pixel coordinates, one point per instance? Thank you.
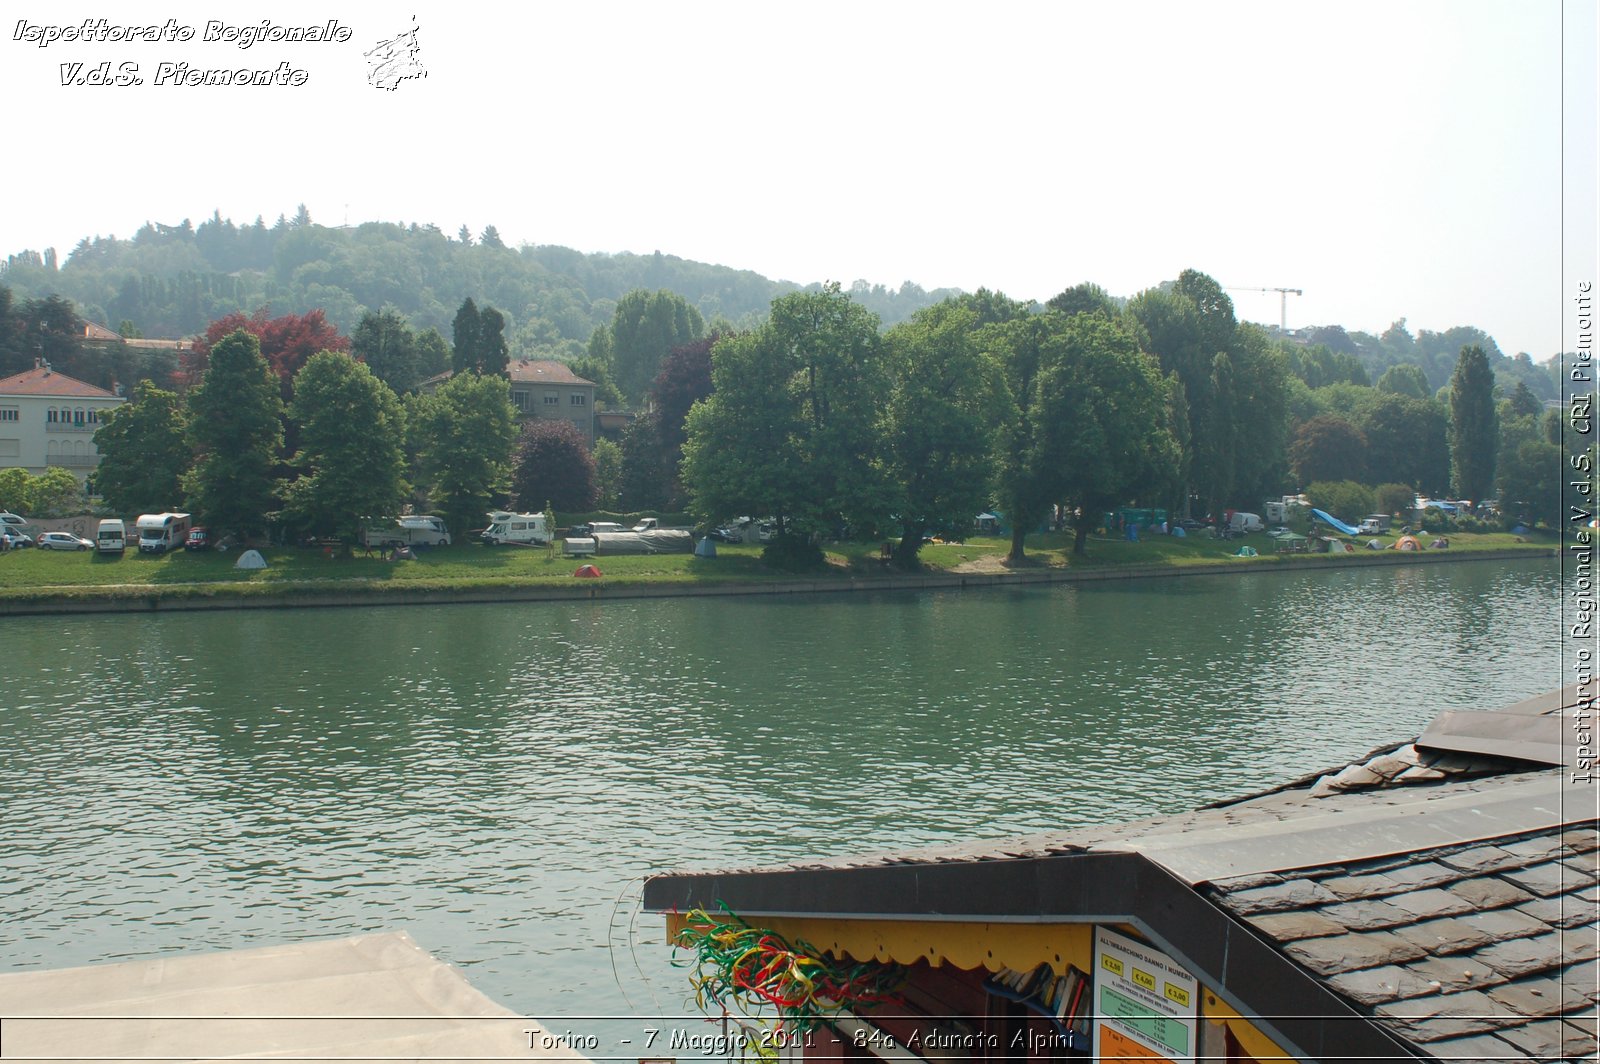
(75, 580)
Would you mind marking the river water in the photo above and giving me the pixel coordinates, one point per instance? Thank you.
(497, 779)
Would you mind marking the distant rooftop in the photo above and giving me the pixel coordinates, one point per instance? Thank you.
(41, 380)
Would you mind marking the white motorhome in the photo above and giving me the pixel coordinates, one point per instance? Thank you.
(412, 531)
(504, 527)
(112, 536)
(161, 532)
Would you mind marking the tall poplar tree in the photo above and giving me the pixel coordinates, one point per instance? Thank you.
(236, 428)
(1474, 425)
(493, 355)
(464, 337)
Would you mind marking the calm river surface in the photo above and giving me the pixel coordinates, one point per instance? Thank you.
(496, 779)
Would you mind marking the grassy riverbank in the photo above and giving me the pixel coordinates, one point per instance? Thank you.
(38, 578)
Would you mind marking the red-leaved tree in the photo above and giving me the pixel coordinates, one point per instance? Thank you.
(553, 465)
(286, 343)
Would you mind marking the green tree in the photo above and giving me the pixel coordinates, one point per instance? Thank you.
(1112, 404)
(464, 336)
(1407, 441)
(646, 481)
(1520, 403)
(493, 355)
(1344, 499)
(1530, 483)
(646, 326)
(57, 493)
(944, 402)
(607, 474)
(1237, 407)
(1027, 463)
(144, 452)
(1085, 298)
(1394, 498)
(352, 434)
(1216, 451)
(433, 354)
(16, 490)
(1405, 379)
(385, 342)
(1474, 425)
(1328, 448)
(790, 429)
(236, 429)
(465, 432)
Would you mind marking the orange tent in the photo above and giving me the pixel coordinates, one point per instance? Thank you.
(1406, 543)
(586, 571)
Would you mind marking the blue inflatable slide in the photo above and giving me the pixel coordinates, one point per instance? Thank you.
(1329, 519)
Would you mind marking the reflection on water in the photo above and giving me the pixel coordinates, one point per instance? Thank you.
(493, 778)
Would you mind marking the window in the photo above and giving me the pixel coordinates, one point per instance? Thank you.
(551, 398)
(50, 416)
(10, 413)
(521, 399)
(579, 399)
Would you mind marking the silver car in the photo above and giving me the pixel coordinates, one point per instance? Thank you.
(62, 541)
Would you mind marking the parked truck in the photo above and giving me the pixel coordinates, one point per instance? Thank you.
(112, 536)
(159, 533)
(526, 529)
(412, 531)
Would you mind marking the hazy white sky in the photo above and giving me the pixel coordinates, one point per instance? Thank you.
(1389, 158)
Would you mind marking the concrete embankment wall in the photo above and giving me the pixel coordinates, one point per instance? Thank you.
(129, 600)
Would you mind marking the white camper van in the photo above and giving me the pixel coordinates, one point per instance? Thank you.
(112, 536)
(411, 531)
(1243, 522)
(161, 532)
(527, 529)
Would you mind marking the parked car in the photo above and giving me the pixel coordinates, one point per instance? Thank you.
(62, 541)
(199, 539)
(582, 531)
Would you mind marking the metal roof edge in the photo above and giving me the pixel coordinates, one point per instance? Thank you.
(1292, 1006)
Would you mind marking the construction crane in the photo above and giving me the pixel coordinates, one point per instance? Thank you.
(1283, 302)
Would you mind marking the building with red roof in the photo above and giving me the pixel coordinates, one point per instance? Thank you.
(49, 419)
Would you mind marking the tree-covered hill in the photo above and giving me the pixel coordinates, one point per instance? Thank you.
(173, 280)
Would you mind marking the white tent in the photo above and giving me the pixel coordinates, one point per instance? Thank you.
(250, 559)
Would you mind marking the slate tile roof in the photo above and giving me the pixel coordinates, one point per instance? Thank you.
(1475, 951)
(1472, 934)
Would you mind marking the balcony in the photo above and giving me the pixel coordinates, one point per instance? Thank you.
(73, 461)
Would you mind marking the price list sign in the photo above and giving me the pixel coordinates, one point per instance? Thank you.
(1145, 1004)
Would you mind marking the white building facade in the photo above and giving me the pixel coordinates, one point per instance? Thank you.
(49, 419)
